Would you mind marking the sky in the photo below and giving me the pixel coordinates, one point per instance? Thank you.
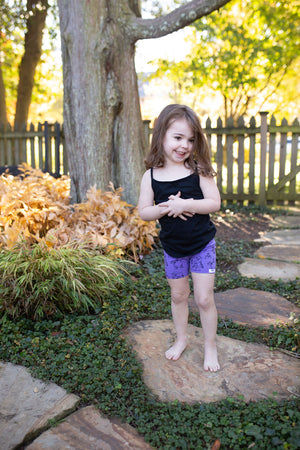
(172, 47)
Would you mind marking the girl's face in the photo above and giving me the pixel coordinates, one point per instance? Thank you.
(178, 141)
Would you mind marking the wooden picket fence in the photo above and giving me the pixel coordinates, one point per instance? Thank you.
(41, 147)
(255, 163)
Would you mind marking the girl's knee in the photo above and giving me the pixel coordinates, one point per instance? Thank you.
(205, 301)
(180, 295)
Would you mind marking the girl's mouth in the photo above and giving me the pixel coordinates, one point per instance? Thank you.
(179, 153)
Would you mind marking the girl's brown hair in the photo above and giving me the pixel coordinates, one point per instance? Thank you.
(199, 160)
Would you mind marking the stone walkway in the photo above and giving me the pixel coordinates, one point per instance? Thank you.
(281, 259)
(247, 369)
(28, 404)
(250, 370)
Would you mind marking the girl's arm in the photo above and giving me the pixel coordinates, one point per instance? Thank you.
(146, 207)
(210, 203)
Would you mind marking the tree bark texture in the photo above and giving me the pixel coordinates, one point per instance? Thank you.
(37, 12)
(102, 119)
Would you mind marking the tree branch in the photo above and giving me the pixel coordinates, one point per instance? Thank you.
(179, 18)
(279, 81)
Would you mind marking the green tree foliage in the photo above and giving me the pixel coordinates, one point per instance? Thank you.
(10, 43)
(246, 51)
(19, 21)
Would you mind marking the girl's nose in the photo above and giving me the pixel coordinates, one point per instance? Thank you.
(184, 143)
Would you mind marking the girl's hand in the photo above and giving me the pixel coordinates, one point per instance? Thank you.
(175, 207)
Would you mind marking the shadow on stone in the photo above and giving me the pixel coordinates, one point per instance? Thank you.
(287, 221)
(269, 269)
(282, 237)
(288, 253)
(87, 429)
(254, 308)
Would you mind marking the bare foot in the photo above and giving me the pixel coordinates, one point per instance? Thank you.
(175, 351)
(211, 362)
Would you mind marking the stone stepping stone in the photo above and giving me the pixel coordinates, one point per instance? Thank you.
(269, 269)
(27, 404)
(87, 429)
(288, 253)
(254, 308)
(282, 237)
(247, 369)
(286, 222)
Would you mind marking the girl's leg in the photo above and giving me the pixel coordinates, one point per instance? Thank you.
(204, 298)
(180, 292)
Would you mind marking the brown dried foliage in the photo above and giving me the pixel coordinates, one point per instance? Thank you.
(35, 207)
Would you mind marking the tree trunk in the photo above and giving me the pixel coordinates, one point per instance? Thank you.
(3, 115)
(37, 11)
(102, 121)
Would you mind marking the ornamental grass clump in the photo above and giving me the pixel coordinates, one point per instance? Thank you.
(40, 281)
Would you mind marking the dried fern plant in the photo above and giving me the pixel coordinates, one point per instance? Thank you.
(35, 207)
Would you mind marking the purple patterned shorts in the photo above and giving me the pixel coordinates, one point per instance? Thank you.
(203, 262)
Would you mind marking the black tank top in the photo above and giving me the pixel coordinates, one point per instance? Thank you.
(183, 237)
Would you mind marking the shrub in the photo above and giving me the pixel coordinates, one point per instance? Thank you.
(35, 206)
(40, 281)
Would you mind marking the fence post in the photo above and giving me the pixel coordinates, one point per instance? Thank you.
(272, 149)
(241, 159)
(40, 141)
(57, 145)
(219, 156)
(23, 150)
(32, 153)
(262, 200)
(47, 155)
(252, 137)
(229, 151)
(295, 139)
(208, 134)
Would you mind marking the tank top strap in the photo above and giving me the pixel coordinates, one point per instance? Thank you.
(151, 175)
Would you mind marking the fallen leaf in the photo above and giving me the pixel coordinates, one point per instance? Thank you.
(216, 445)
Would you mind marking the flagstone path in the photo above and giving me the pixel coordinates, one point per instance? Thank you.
(253, 307)
(248, 370)
(281, 259)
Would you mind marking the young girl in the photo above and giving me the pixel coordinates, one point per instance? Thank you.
(179, 190)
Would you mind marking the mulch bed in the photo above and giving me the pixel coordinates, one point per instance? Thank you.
(241, 226)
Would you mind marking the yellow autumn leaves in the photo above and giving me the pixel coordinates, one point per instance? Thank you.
(36, 208)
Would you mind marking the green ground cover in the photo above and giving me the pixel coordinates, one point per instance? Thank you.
(86, 354)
